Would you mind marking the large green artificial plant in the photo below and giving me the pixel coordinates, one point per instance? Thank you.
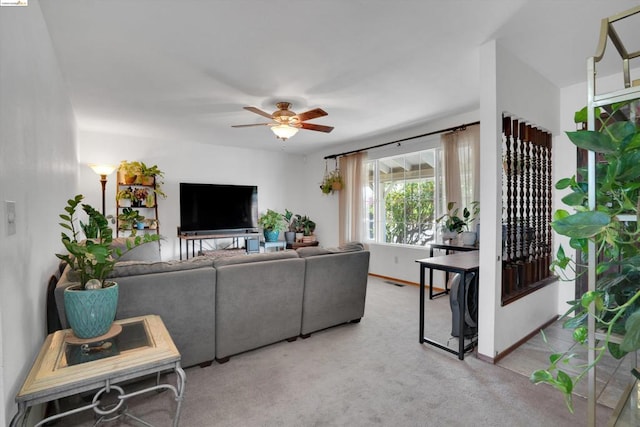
(95, 257)
(613, 228)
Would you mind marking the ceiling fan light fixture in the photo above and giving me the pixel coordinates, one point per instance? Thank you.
(284, 131)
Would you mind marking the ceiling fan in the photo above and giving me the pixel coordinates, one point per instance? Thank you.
(286, 123)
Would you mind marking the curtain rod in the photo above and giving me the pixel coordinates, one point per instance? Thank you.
(451, 129)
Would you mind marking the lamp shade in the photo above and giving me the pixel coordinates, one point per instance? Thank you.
(102, 169)
(284, 131)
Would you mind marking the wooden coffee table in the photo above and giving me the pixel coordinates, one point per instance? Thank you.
(63, 369)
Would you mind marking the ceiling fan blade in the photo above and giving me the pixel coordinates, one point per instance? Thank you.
(311, 114)
(259, 111)
(246, 126)
(319, 128)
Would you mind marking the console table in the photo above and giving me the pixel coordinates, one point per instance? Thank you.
(63, 369)
(462, 263)
(296, 245)
(448, 248)
(200, 237)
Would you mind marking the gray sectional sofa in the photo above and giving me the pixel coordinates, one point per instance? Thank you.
(215, 308)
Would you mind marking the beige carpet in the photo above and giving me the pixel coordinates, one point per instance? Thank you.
(371, 373)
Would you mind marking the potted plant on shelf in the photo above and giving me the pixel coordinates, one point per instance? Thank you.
(613, 229)
(272, 224)
(308, 227)
(129, 172)
(289, 219)
(152, 175)
(91, 300)
(124, 197)
(139, 197)
(332, 182)
(297, 227)
(128, 220)
(455, 225)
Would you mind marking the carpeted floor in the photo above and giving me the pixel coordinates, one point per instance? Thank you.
(371, 373)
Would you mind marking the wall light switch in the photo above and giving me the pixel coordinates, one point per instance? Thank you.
(10, 208)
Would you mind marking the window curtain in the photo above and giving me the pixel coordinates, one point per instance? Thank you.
(351, 198)
(462, 166)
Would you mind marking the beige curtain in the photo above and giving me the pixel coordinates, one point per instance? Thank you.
(462, 166)
(452, 190)
(351, 198)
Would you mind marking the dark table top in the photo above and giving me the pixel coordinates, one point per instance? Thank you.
(464, 261)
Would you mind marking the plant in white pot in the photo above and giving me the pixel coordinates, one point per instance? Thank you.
(91, 300)
(455, 226)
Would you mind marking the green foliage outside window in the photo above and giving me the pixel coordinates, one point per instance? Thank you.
(410, 213)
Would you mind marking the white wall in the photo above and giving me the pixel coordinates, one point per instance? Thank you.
(278, 175)
(37, 171)
(508, 86)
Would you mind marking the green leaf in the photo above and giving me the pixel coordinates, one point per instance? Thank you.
(616, 351)
(593, 141)
(560, 213)
(591, 297)
(574, 199)
(631, 340)
(576, 321)
(564, 183)
(541, 376)
(553, 358)
(582, 225)
(583, 117)
(564, 384)
(580, 334)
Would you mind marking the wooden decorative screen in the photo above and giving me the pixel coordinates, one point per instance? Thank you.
(526, 208)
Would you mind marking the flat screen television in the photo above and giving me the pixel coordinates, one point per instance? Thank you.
(218, 208)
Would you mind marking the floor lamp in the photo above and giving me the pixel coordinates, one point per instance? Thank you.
(103, 171)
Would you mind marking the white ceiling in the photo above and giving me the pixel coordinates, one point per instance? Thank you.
(183, 70)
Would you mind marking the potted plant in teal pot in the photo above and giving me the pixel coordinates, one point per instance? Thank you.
(91, 300)
(272, 224)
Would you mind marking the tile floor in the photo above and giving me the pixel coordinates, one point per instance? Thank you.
(612, 377)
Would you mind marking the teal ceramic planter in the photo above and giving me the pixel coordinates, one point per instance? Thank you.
(91, 313)
(271, 235)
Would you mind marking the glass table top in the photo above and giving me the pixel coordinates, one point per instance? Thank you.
(134, 335)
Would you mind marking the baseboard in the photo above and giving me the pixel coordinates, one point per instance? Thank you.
(510, 349)
(404, 282)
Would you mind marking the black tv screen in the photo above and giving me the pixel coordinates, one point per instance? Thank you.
(212, 208)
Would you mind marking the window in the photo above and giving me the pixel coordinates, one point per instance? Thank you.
(403, 197)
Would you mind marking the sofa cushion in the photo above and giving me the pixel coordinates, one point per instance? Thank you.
(309, 251)
(348, 247)
(244, 259)
(135, 268)
(145, 252)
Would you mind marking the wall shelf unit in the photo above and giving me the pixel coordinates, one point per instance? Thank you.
(146, 206)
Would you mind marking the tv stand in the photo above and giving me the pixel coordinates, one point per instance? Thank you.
(193, 236)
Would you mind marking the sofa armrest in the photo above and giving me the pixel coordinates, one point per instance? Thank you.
(335, 289)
